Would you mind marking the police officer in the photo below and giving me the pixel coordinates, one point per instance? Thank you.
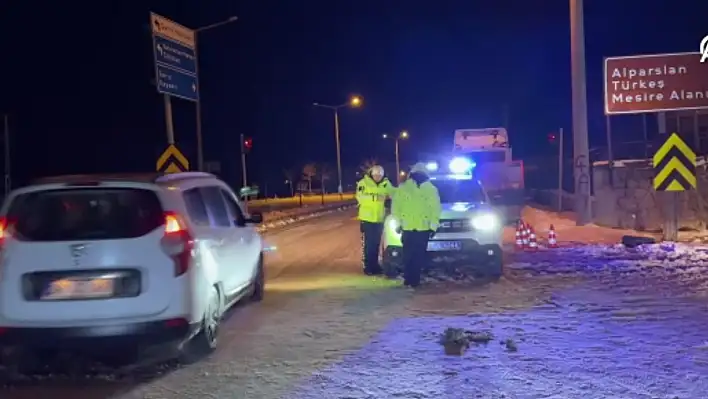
(416, 207)
(371, 193)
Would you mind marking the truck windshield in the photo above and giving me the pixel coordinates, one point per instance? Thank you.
(452, 190)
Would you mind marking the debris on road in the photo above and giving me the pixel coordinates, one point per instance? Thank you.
(510, 345)
(634, 241)
(456, 341)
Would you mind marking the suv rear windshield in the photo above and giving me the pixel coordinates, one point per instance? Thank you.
(85, 214)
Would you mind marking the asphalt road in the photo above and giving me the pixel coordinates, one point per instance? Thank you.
(313, 276)
(326, 331)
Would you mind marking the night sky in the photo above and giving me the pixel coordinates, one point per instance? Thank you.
(76, 77)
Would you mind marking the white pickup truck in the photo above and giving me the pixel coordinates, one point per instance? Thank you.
(502, 177)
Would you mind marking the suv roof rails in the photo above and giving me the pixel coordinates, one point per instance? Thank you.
(87, 178)
(182, 175)
(153, 177)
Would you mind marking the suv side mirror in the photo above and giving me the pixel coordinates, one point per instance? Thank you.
(255, 218)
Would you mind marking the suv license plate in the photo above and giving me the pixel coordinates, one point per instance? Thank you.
(78, 289)
(444, 246)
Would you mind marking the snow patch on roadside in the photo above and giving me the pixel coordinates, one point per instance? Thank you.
(279, 218)
(667, 259)
(564, 352)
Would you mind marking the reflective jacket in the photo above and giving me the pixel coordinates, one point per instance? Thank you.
(416, 204)
(371, 197)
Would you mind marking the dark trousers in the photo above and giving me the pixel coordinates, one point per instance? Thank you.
(415, 254)
(370, 243)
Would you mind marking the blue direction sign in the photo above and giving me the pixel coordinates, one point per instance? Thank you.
(177, 83)
(174, 48)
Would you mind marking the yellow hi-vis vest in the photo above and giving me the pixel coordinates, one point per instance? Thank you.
(371, 197)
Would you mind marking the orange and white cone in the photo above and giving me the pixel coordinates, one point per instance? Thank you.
(552, 240)
(519, 236)
(533, 244)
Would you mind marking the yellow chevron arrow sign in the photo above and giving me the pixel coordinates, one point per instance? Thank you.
(675, 166)
(172, 161)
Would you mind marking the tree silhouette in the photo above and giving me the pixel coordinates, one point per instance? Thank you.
(289, 175)
(367, 164)
(309, 171)
(324, 174)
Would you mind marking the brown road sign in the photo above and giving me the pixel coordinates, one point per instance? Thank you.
(655, 83)
(172, 161)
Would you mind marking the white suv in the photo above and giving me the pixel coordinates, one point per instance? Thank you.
(146, 262)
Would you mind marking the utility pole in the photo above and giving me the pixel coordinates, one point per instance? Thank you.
(8, 180)
(398, 164)
(198, 105)
(339, 151)
(560, 170)
(243, 162)
(581, 153)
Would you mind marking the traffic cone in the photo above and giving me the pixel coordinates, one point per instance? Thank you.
(524, 235)
(552, 241)
(519, 235)
(533, 244)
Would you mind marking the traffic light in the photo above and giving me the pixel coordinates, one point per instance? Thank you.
(552, 138)
(247, 145)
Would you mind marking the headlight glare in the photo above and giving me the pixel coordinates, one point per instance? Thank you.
(485, 221)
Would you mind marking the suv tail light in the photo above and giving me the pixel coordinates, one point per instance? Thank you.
(178, 242)
(5, 226)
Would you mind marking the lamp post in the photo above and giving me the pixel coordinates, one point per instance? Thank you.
(200, 146)
(401, 136)
(353, 102)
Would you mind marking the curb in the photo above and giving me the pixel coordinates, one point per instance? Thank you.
(288, 220)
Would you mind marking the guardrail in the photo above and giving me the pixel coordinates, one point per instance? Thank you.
(301, 214)
(298, 201)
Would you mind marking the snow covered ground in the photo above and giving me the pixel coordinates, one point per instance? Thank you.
(591, 322)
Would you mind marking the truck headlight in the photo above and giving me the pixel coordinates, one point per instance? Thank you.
(485, 221)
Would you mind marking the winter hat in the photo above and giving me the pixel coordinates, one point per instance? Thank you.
(419, 168)
(377, 170)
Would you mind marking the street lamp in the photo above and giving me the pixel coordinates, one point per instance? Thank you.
(200, 146)
(401, 136)
(354, 102)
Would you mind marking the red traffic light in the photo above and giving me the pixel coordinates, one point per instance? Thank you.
(552, 137)
(248, 143)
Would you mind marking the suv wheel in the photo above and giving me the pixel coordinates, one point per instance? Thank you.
(206, 340)
(259, 282)
(496, 266)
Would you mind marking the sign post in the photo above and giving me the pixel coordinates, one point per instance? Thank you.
(174, 50)
(660, 83)
(675, 166)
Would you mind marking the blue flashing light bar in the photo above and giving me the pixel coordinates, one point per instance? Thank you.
(461, 165)
(454, 176)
